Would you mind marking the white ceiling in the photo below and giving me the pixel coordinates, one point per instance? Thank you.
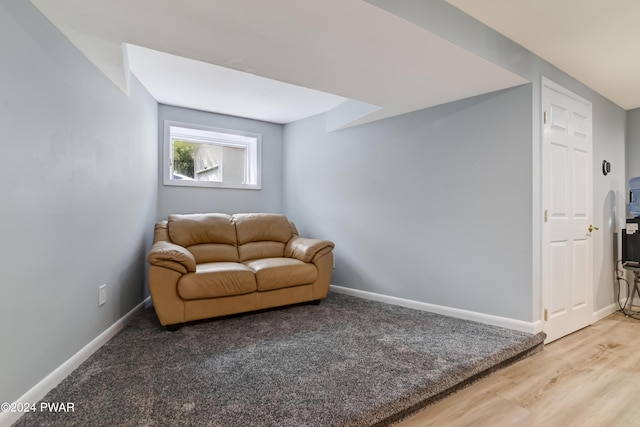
(175, 80)
(595, 41)
(347, 48)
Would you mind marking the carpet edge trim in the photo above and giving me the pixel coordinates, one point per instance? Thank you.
(431, 400)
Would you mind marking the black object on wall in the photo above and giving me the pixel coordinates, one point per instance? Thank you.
(631, 241)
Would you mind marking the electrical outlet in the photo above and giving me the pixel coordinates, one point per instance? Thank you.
(102, 295)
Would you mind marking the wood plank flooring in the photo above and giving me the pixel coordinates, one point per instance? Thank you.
(589, 378)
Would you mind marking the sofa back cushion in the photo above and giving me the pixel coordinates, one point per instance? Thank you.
(262, 235)
(209, 237)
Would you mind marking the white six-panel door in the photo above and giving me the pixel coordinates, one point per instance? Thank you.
(567, 188)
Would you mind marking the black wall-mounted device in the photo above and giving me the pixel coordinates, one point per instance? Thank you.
(606, 167)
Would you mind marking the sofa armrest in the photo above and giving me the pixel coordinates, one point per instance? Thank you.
(306, 249)
(172, 256)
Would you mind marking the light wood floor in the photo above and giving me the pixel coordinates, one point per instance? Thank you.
(589, 378)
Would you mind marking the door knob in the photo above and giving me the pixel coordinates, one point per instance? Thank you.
(591, 228)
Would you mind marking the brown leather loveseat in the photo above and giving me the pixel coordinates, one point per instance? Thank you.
(208, 265)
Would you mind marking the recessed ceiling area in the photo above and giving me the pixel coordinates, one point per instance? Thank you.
(346, 56)
(183, 82)
(596, 42)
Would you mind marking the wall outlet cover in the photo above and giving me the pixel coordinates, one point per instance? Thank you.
(102, 295)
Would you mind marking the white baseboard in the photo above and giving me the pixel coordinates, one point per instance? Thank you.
(40, 390)
(604, 312)
(538, 326)
(504, 322)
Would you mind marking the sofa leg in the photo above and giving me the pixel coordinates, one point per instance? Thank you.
(316, 301)
(173, 328)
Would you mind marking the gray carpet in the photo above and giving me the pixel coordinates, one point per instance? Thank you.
(346, 362)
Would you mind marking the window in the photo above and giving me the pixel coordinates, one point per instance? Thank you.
(201, 156)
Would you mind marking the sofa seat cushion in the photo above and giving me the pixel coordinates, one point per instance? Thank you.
(277, 273)
(217, 279)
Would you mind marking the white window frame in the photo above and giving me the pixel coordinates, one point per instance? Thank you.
(206, 134)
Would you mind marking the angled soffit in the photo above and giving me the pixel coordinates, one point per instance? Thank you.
(369, 63)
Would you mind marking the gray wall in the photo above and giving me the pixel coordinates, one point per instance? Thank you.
(609, 205)
(432, 206)
(79, 191)
(633, 143)
(173, 199)
(438, 283)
